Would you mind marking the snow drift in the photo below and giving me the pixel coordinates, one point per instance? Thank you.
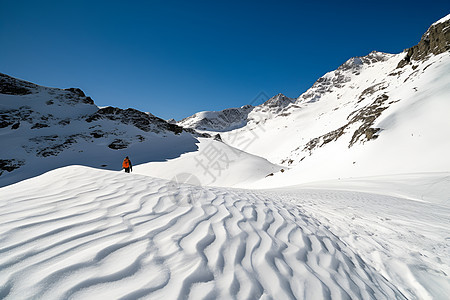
(76, 232)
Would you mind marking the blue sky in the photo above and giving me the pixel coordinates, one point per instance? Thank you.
(175, 58)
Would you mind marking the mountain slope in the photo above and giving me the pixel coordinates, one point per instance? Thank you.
(214, 164)
(375, 115)
(45, 128)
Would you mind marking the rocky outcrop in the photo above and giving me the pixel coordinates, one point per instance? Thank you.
(11, 117)
(364, 117)
(341, 76)
(118, 144)
(279, 101)
(227, 119)
(10, 165)
(12, 86)
(234, 118)
(435, 41)
(144, 121)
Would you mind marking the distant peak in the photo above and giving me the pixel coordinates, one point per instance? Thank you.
(279, 100)
(358, 61)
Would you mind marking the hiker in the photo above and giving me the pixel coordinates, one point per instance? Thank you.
(127, 165)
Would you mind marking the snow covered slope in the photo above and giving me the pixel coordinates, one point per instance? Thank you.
(378, 114)
(214, 163)
(44, 128)
(78, 232)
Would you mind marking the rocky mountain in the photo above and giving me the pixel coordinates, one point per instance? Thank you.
(42, 128)
(234, 118)
(435, 40)
(218, 121)
(375, 114)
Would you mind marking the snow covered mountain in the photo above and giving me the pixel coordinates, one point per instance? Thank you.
(377, 114)
(234, 118)
(44, 128)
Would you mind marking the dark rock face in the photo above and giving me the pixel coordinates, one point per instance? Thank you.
(77, 91)
(118, 144)
(13, 86)
(97, 134)
(435, 41)
(39, 125)
(14, 116)
(365, 116)
(10, 165)
(4, 124)
(279, 101)
(325, 139)
(80, 94)
(74, 96)
(145, 122)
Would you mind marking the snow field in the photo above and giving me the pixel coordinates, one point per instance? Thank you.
(214, 164)
(87, 232)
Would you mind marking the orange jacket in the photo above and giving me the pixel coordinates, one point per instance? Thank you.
(126, 163)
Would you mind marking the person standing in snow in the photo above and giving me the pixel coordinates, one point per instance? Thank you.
(127, 165)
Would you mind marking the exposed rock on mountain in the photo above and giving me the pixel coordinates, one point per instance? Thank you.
(435, 41)
(227, 119)
(13, 86)
(341, 76)
(364, 118)
(10, 165)
(144, 121)
(278, 102)
(234, 118)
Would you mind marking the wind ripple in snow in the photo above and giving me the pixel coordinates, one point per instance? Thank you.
(77, 232)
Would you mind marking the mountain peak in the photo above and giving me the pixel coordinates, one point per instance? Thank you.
(279, 100)
(358, 61)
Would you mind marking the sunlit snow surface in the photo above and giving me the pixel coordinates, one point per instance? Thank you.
(83, 233)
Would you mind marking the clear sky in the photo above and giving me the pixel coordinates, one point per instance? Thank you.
(175, 58)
